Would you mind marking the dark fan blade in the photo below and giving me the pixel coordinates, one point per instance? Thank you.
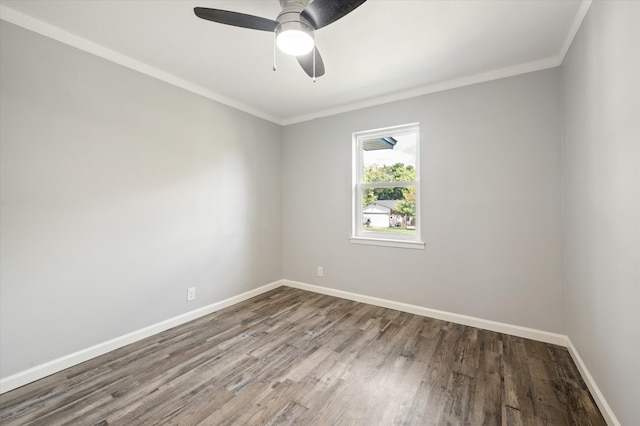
(323, 12)
(306, 62)
(236, 19)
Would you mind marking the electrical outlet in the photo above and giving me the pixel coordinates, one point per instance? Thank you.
(191, 294)
(320, 271)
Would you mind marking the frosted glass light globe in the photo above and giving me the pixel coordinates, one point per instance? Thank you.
(294, 42)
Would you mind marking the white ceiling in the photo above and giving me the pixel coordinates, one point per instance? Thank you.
(384, 50)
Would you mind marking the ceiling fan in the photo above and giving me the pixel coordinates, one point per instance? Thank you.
(293, 27)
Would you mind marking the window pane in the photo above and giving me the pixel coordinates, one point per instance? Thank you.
(389, 210)
(389, 159)
(385, 186)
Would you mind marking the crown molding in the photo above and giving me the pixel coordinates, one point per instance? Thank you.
(432, 88)
(40, 27)
(575, 26)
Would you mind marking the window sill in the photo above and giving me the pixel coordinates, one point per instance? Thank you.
(419, 245)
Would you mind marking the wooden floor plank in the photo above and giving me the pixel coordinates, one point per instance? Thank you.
(294, 357)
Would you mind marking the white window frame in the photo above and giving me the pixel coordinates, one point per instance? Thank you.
(358, 234)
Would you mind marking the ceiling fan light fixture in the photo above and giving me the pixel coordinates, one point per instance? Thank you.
(294, 38)
(294, 28)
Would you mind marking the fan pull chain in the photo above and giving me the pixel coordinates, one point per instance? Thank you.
(274, 50)
(314, 63)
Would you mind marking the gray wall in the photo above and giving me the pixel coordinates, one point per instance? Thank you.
(491, 203)
(602, 200)
(119, 192)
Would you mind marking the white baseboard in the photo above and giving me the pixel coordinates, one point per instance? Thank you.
(43, 370)
(604, 407)
(515, 330)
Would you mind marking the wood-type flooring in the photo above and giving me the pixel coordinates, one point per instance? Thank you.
(295, 357)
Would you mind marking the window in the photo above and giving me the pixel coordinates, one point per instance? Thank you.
(386, 191)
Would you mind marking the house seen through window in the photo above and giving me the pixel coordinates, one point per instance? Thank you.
(386, 187)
